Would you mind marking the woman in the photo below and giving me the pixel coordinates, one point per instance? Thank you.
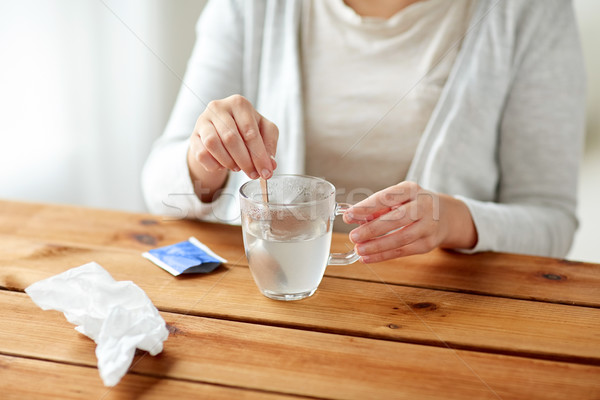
(461, 121)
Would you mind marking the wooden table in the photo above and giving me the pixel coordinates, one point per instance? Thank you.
(441, 325)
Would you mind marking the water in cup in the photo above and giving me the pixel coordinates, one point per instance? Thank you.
(284, 264)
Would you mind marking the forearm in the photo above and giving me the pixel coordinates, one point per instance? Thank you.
(526, 228)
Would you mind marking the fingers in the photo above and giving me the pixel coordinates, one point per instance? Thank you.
(270, 134)
(393, 240)
(247, 124)
(393, 220)
(418, 247)
(209, 150)
(235, 136)
(232, 143)
(382, 202)
(203, 156)
(273, 163)
(398, 221)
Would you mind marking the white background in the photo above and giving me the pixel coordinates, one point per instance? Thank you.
(87, 85)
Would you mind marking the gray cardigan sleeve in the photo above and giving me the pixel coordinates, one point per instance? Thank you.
(213, 72)
(539, 142)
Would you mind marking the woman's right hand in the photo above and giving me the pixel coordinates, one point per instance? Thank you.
(231, 135)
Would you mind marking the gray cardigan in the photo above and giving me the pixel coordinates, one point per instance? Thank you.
(505, 136)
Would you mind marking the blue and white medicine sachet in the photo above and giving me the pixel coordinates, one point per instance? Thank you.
(191, 256)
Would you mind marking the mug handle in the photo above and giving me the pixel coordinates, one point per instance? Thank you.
(342, 258)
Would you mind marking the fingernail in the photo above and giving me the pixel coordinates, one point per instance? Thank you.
(253, 175)
(358, 250)
(236, 169)
(265, 173)
(354, 235)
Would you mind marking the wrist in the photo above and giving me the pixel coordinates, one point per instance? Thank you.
(205, 183)
(458, 226)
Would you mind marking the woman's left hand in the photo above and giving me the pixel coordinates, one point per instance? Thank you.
(405, 219)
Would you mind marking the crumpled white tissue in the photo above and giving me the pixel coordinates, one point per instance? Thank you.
(117, 315)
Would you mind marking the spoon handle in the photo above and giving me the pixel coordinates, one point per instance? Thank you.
(264, 189)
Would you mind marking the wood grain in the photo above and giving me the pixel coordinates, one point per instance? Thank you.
(357, 308)
(282, 360)
(512, 276)
(114, 229)
(497, 274)
(63, 382)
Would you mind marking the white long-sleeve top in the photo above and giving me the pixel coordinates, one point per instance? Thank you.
(369, 88)
(505, 136)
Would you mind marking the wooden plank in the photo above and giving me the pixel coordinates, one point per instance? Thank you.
(497, 274)
(302, 362)
(23, 378)
(513, 276)
(13, 214)
(358, 308)
(114, 229)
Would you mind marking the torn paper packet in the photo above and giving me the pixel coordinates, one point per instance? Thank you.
(189, 257)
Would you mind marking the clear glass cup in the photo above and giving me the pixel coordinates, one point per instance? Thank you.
(288, 239)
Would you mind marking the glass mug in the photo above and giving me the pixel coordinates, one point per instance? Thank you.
(287, 240)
